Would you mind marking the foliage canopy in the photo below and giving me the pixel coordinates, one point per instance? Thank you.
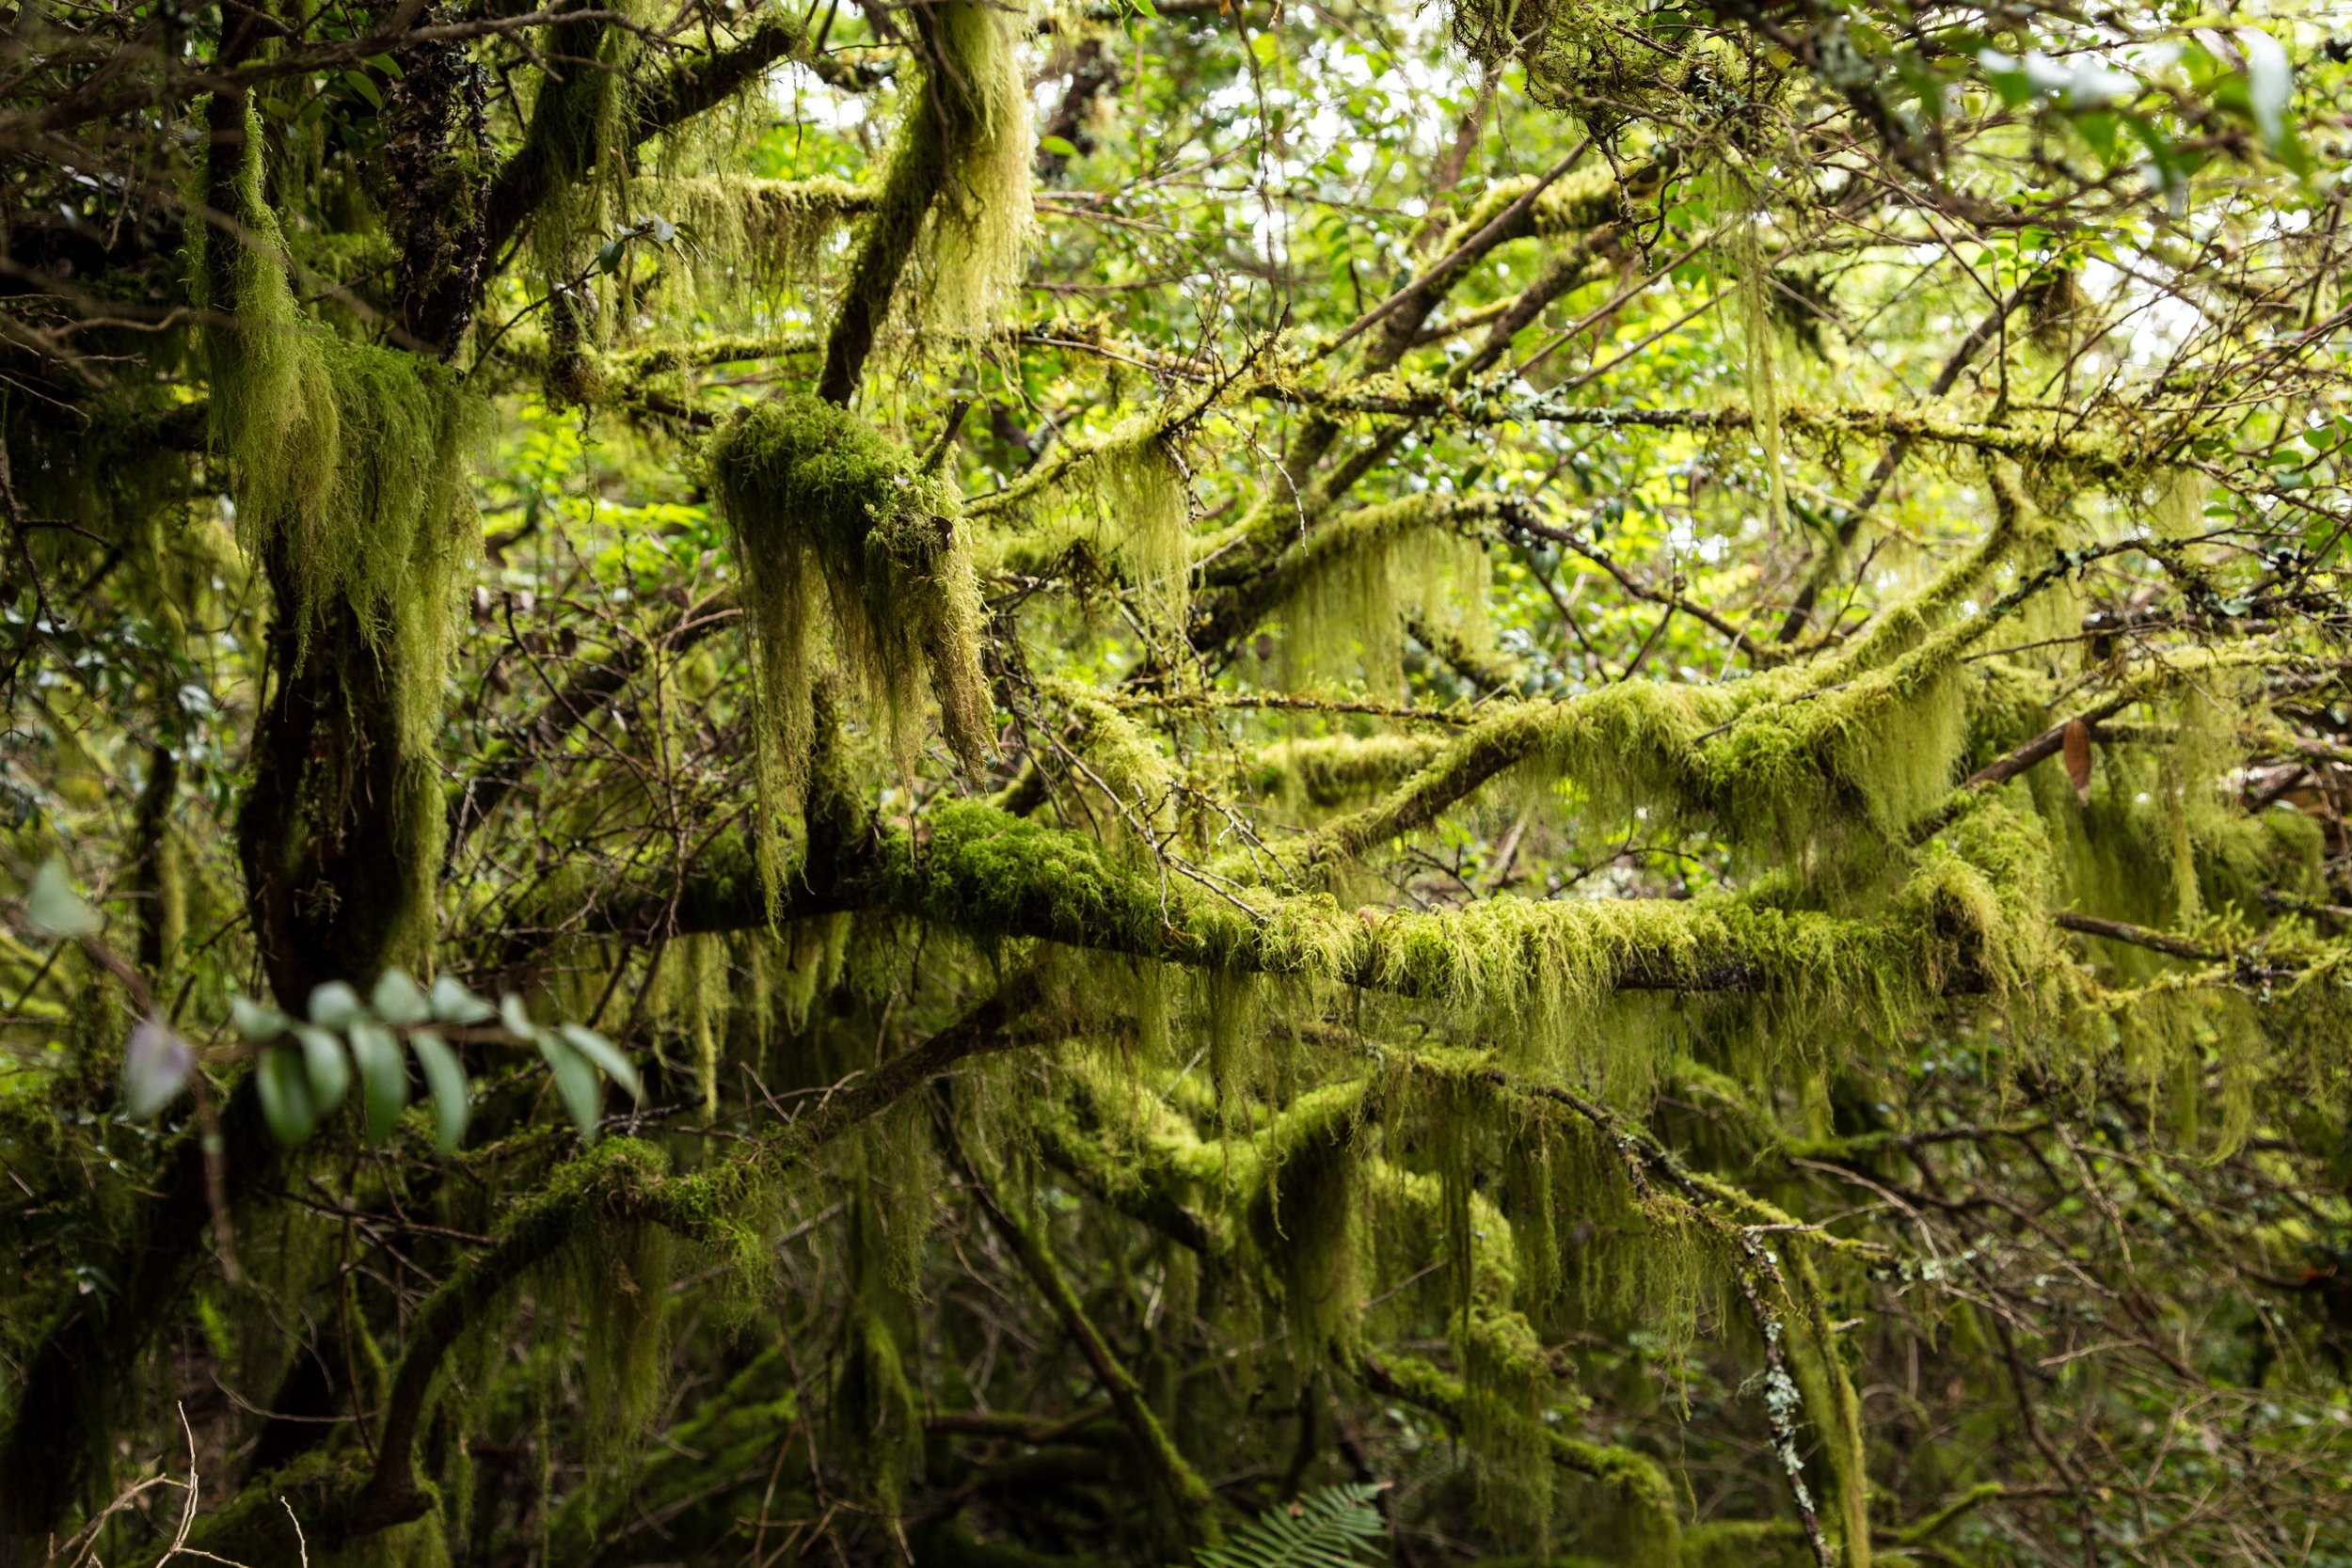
(1552, 781)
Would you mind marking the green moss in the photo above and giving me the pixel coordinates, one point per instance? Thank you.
(763, 234)
(874, 1426)
(347, 467)
(1346, 587)
(981, 221)
(1146, 510)
(1121, 753)
(820, 501)
(1332, 771)
(1747, 1544)
(1756, 348)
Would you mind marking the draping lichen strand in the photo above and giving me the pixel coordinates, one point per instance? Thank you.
(745, 239)
(347, 460)
(981, 222)
(1347, 587)
(819, 501)
(1146, 511)
(348, 465)
(1757, 318)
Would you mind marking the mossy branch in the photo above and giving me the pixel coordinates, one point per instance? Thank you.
(1636, 1478)
(2099, 456)
(993, 875)
(1190, 1494)
(549, 159)
(623, 1182)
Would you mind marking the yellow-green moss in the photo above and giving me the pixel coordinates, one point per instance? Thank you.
(819, 501)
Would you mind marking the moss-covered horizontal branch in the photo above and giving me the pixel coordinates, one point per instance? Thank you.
(991, 875)
(2096, 455)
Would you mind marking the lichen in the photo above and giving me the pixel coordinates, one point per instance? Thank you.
(348, 465)
(819, 501)
(744, 239)
(1346, 588)
(981, 221)
(1146, 511)
(1332, 771)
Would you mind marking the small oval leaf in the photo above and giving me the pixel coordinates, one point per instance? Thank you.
(383, 1078)
(454, 1004)
(155, 1068)
(2076, 743)
(285, 1090)
(445, 1076)
(256, 1021)
(329, 1068)
(517, 1016)
(607, 1055)
(336, 1005)
(54, 908)
(398, 1000)
(576, 1081)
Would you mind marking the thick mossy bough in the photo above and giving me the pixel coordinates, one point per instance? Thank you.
(820, 501)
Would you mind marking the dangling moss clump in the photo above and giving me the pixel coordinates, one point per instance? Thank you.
(1145, 507)
(1327, 771)
(766, 232)
(1122, 754)
(815, 951)
(347, 469)
(1756, 332)
(981, 221)
(814, 495)
(1356, 578)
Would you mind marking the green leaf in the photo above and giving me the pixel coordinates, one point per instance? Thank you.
(336, 1005)
(2098, 128)
(1060, 146)
(605, 1055)
(576, 1081)
(285, 1091)
(156, 1065)
(2007, 77)
(360, 83)
(2269, 83)
(446, 1078)
(1333, 1526)
(256, 1021)
(397, 1000)
(53, 909)
(454, 1004)
(329, 1069)
(383, 1078)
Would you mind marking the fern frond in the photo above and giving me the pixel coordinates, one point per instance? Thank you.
(1334, 1527)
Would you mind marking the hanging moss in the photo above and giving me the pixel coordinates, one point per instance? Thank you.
(1346, 588)
(1146, 510)
(1757, 331)
(874, 1429)
(738, 231)
(818, 500)
(1309, 1222)
(1121, 753)
(620, 1277)
(1332, 771)
(347, 467)
(981, 222)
